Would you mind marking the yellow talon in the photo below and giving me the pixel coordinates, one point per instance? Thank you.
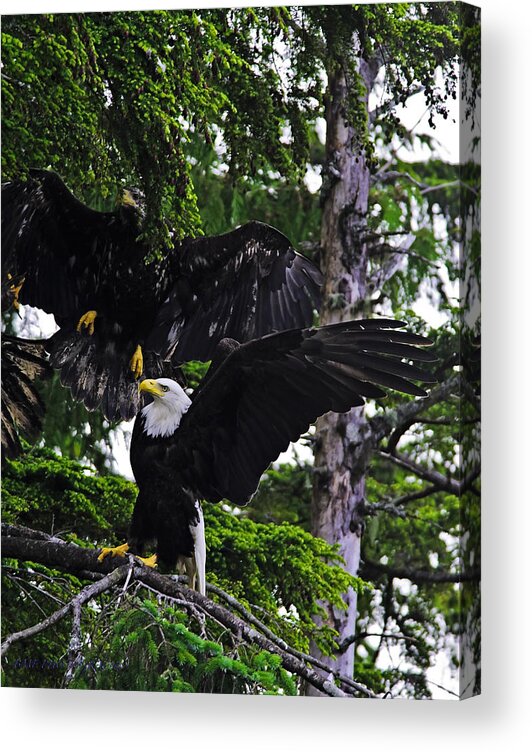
(87, 320)
(137, 362)
(116, 551)
(15, 290)
(151, 561)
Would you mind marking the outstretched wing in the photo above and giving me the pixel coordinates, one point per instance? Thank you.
(244, 284)
(59, 245)
(23, 362)
(267, 393)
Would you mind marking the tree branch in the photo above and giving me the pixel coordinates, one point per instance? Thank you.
(391, 176)
(96, 588)
(281, 643)
(419, 576)
(441, 481)
(394, 262)
(393, 505)
(342, 647)
(405, 414)
(113, 572)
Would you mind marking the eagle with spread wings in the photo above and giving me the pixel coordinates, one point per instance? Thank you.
(123, 310)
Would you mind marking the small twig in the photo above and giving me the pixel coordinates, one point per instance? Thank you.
(19, 580)
(113, 578)
(399, 501)
(406, 413)
(127, 581)
(449, 184)
(444, 483)
(342, 647)
(420, 576)
(440, 686)
(32, 599)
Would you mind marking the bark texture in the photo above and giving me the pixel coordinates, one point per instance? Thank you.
(342, 441)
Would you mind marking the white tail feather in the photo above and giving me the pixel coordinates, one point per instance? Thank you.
(200, 550)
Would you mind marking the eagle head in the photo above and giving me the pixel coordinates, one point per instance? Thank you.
(133, 199)
(170, 402)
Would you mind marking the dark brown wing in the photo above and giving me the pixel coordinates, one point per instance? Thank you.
(60, 246)
(244, 284)
(267, 393)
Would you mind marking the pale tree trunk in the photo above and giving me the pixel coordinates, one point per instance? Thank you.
(342, 447)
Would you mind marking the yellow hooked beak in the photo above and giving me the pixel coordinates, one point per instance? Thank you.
(151, 386)
(127, 198)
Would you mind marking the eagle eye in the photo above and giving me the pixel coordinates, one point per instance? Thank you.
(164, 388)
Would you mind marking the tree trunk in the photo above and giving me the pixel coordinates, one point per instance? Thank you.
(342, 448)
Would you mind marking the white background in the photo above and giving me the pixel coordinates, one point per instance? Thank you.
(501, 716)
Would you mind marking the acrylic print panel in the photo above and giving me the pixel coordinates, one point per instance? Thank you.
(349, 134)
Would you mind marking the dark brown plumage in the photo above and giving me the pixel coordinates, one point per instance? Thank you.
(176, 305)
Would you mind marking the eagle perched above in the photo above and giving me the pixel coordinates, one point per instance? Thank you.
(121, 309)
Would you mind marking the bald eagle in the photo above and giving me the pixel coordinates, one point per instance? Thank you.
(255, 399)
(121, 310)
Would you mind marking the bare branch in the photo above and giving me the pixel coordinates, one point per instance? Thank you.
(405, 414)
(393, 263)
(443, 482)
(392, 505)
(449, 184)
(471, 395)
(391, 176)
(372, 569)
(342, 647)
(85, 595)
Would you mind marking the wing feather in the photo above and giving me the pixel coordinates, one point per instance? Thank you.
(243, 285)
(267, 392)
(56, 242)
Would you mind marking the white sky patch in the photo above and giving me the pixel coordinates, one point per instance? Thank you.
(34, 323)
(321, 129)
(286, 136)
(298, 452)
(415, 117)
(313, 179)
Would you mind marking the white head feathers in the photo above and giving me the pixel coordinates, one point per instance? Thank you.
(170, 402)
